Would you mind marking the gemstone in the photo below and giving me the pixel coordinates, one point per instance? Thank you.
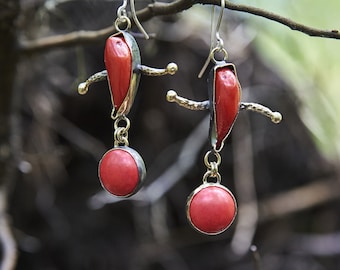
(211, 208)
(227, 100)
(118, 62)
(121, 171)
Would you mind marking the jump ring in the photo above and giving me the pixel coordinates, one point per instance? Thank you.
(122, 118)
(122, 20)
(208, 163)
(217, 50)
(123, 141)
(208, 174)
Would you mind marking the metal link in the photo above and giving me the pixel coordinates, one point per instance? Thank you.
(120, 21)
(122, 18)
(208, 163)
(209, 175)
(122, 118)
(212, 167)
(121, 137)
(214, 53)
(121, 134)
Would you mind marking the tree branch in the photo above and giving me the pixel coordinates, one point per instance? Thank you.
(159, 9)
(299, 199)
(335, 34)
(65, 40)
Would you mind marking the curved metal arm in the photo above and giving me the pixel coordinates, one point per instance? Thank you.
(97, 77)
(275, 117)
(170, 69)
(172, 96)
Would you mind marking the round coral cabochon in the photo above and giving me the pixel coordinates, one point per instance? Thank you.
(211, 208)
(121, 171)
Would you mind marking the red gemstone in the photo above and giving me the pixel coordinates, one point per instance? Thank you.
(119, 172)
(227, 100)
(118, 62)
(211, 209)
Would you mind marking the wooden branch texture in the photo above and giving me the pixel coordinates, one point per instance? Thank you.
(159, 9)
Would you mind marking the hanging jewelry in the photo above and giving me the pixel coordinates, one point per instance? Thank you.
(121, 169)
(211, 208)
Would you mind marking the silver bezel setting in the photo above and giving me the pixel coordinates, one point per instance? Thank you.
(212, 100)
(197, 190)
(140, 166)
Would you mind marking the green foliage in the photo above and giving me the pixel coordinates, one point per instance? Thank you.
(310, 64)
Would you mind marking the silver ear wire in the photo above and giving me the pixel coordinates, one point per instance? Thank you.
(138, 24)
(123, 18)
(218, 24)
(121, 11)
(216, 42)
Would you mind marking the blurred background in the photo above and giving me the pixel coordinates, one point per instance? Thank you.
(284, 177)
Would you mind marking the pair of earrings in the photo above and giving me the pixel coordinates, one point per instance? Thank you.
(211, 208)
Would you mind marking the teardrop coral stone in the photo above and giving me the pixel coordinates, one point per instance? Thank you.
(118, 62)
(227, 100)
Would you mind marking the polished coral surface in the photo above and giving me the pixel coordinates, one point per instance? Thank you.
(227, 100)
(118, 62)
(118, 172)
(212, 209)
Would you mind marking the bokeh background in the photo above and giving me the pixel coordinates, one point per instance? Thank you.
(284, 177)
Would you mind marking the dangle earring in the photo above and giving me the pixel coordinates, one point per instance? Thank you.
(211, 208)
(121, 170)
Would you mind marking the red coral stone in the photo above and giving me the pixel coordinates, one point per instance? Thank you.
(212, 209)
(227, 100)
(118, 172)
(118, 62)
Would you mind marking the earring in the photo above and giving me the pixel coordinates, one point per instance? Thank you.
(122, 170)
(211, 207)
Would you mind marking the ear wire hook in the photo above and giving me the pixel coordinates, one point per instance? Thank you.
(216, 43)
(123, 18)
(218, 25)
(121, 11)
(138, 24)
